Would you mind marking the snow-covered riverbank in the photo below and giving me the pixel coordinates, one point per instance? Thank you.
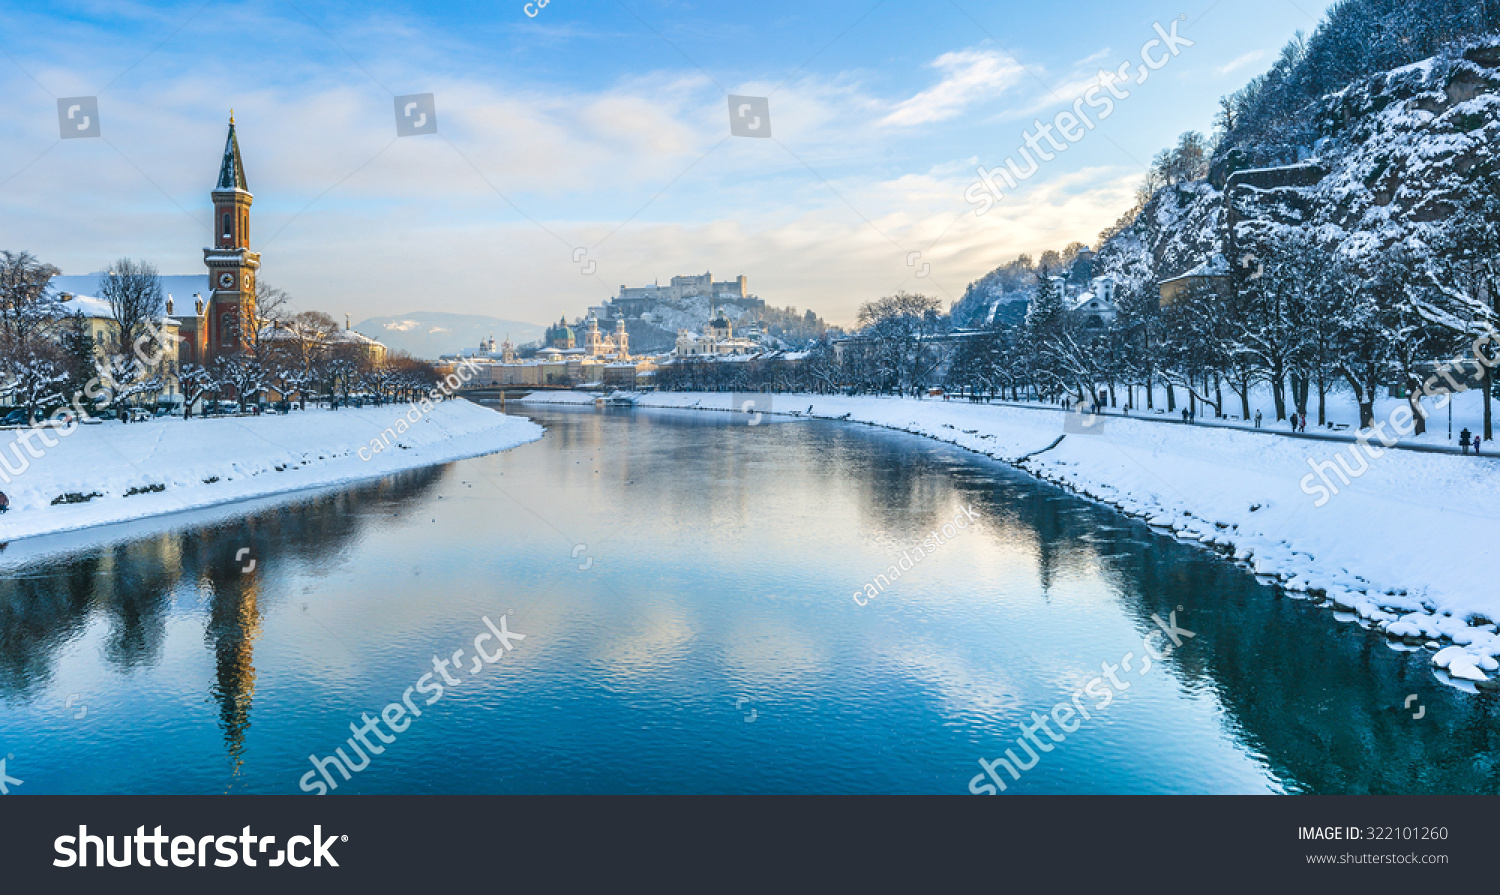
(175, 464)
(1405, 547)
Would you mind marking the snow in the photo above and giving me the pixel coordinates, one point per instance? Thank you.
(1466, 409)
(1405, 547)
(249, 457)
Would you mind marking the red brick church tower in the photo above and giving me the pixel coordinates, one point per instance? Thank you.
(230, 313)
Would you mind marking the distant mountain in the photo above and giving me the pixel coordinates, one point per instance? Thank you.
(428, 334)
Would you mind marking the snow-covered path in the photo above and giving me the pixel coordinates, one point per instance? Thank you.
(1405, 545)
(1433, 442)
(176, 464)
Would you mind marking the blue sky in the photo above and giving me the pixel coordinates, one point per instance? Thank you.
(595, 131)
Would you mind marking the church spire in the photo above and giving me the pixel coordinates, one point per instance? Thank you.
(232, 170)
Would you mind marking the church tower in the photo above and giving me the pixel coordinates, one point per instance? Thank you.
(231, 264)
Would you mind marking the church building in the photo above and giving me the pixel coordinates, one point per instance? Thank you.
(221, 325)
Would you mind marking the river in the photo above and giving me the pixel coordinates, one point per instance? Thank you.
(685, 583)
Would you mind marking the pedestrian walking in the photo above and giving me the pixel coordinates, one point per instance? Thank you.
(1257, 419)
(1463, 441)
(4, 503)
(1476, 444)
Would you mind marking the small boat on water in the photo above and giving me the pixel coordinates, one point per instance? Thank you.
(616, 399)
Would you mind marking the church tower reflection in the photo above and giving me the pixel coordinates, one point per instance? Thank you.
(234, 624)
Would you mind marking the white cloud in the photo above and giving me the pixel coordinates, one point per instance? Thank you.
(1240, 62)
(969, 76)
(369, 224)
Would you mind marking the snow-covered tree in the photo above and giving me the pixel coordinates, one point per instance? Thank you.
(197, 382)
(243, 375)
(134, 294)
(904, 329)
(1463, 284)
(27, 303)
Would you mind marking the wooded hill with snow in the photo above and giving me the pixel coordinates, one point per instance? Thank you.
(1335, 241)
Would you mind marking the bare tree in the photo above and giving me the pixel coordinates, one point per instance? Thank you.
(904, 328)
(133, 291)
(270, 313)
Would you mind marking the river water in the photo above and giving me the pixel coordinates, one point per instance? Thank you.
(685, 583)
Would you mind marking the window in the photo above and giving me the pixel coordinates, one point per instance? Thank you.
(227, 221)
(227, 329)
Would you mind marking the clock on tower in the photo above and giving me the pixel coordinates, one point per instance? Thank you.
(231, 264)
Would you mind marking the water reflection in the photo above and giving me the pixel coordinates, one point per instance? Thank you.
(720, 563)
(135, 584)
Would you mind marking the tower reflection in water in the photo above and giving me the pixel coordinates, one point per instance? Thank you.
(136, 585)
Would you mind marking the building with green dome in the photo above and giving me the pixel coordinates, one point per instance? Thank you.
(560, 336)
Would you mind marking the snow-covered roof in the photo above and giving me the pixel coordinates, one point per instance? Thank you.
(98, 309)
(87, 306)
(181, 285)
(349, 335)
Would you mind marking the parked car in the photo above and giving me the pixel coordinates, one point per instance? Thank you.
(15, 418)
